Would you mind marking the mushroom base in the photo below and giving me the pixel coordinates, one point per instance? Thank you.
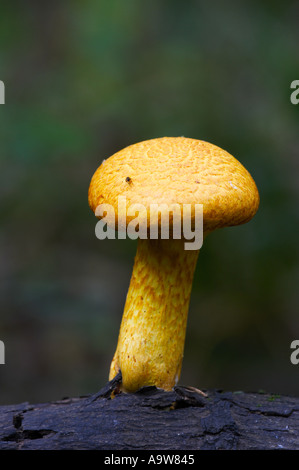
(152, 333)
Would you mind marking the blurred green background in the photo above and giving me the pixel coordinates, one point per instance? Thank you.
(85, 79)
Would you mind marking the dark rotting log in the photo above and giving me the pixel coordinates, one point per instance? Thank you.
(152, 419)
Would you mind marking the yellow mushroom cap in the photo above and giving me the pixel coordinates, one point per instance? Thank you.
(177, 170)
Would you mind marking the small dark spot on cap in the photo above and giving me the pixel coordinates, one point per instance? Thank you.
(128, 179)
(197, 182)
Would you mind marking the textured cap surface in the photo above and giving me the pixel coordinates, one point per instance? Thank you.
(178, 170)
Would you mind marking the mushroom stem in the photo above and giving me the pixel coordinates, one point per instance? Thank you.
(152, 332)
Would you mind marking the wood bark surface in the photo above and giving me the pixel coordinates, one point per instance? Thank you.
(152, 419)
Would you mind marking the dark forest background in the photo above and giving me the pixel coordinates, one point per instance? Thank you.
(82, 81)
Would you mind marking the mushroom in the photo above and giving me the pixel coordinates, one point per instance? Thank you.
(168, 170)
